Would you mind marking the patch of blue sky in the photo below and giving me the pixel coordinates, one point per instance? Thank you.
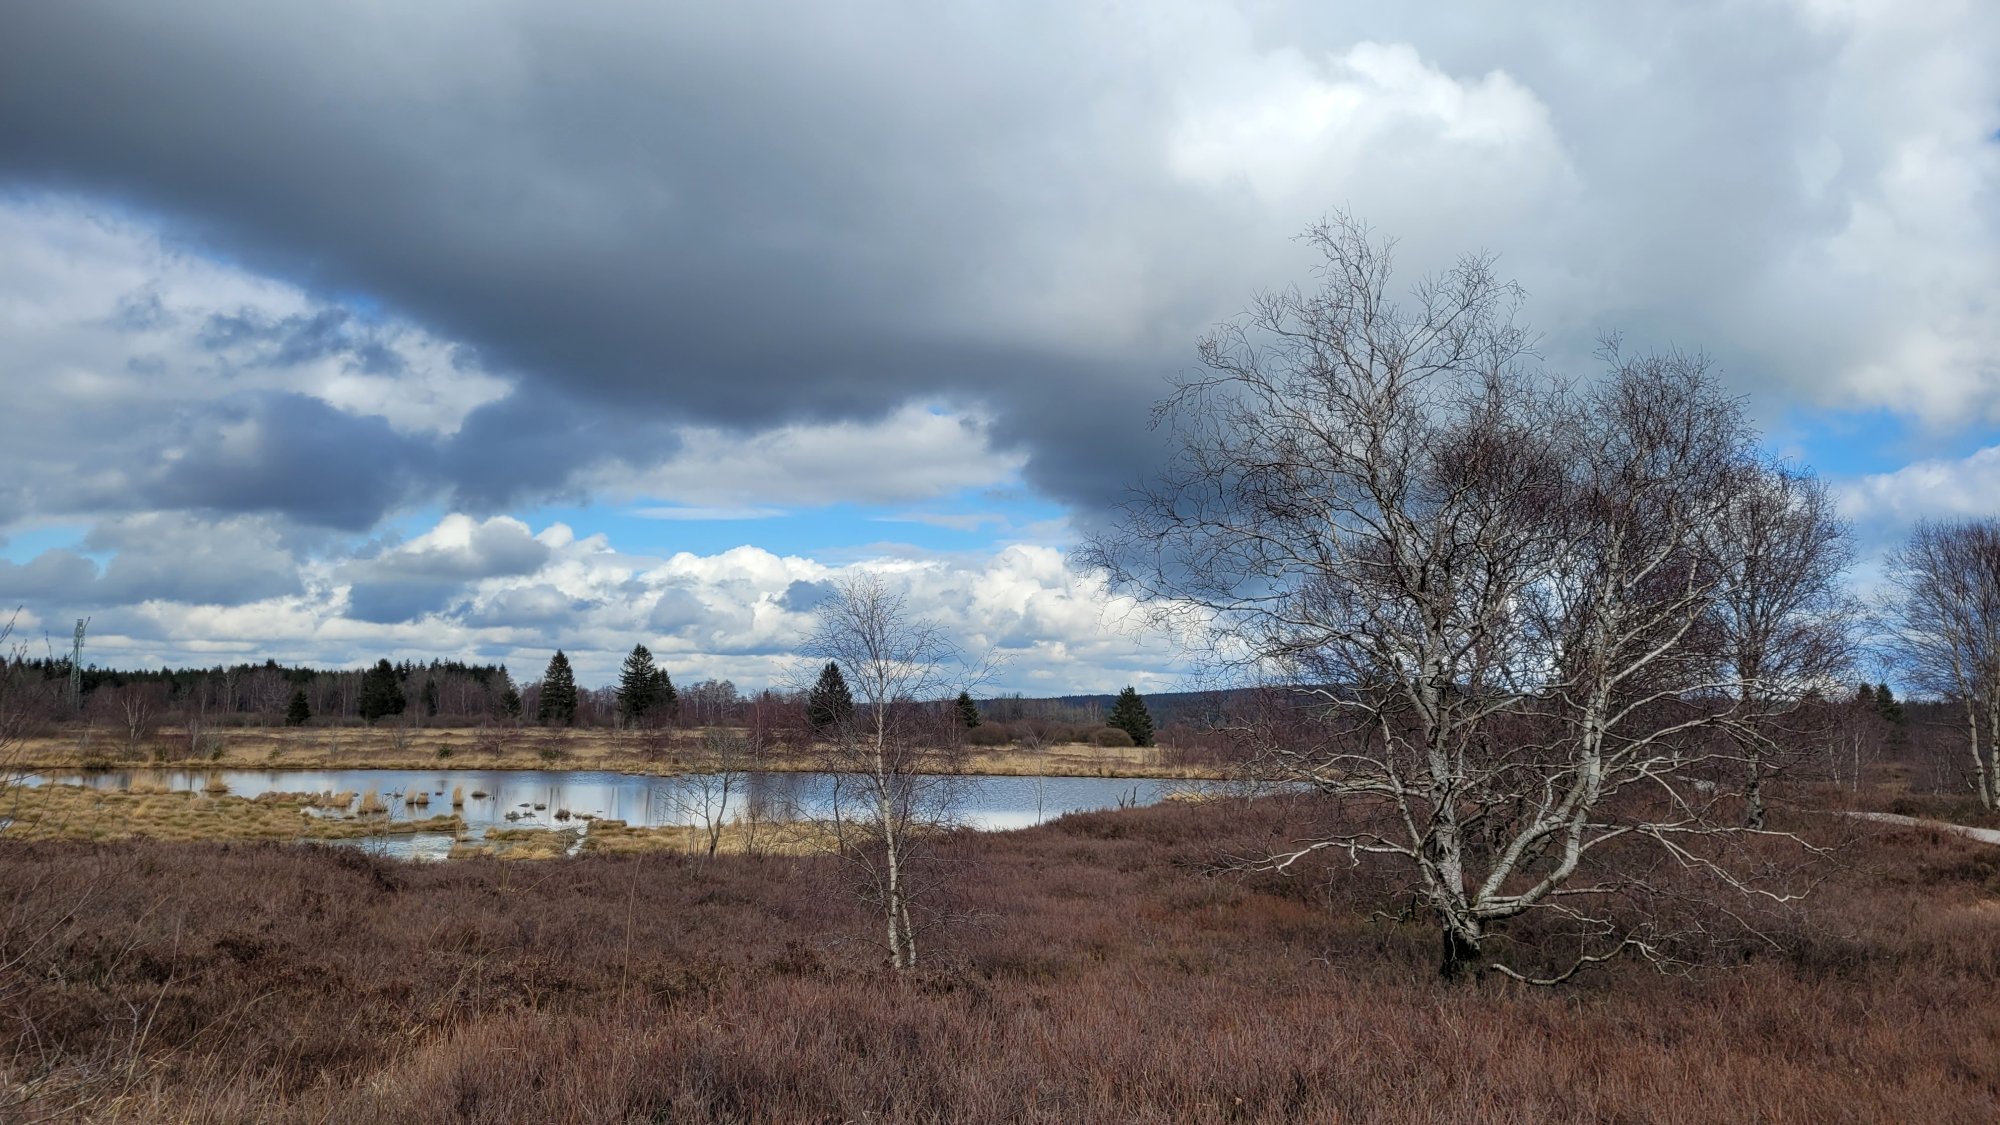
(23, 544)
(973, 520)
(1848, 444)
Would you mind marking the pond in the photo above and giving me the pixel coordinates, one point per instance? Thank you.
(571, 798)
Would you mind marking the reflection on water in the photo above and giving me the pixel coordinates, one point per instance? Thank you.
(571, 798)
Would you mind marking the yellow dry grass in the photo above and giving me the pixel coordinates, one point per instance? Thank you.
(786, 837)
(536, 749)
(71, 812)
(519, 843)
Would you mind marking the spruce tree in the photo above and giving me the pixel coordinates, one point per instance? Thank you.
(300, 712)
(968, 711)
(381, 692)
(558, 691)
(1887, 703)
(510, 702)
(829, 704)
(1129, 715)
(638, 685)
(430, 697)
(666, 699)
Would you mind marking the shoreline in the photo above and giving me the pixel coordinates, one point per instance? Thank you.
(649, 754)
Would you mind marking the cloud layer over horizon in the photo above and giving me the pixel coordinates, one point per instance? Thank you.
(314, 315)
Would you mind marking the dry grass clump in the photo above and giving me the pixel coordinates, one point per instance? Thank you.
(787, 838)
(519, 843)
(372, 804)
(324, 829)
(458, 796)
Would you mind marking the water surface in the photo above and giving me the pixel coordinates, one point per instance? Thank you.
(538, 798)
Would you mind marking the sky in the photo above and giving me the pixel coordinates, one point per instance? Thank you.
(344, 330)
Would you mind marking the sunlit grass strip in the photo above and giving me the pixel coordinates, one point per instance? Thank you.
(70, 812)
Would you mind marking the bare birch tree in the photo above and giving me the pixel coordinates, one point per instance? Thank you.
(23, 701)
(893, 789)
(1944, 615)
(1497, 599)
(708, 797)
(1787, 616)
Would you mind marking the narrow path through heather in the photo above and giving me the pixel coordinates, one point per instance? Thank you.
(1983, 835)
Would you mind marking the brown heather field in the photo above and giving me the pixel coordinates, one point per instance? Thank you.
(527, 748)
(1099, 970)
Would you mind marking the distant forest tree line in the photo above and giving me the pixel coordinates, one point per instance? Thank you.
(451, 693)
(1871, 726)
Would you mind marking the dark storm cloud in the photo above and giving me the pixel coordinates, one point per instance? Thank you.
(51, 575)
(532, 441)
(623, 206)
(159, 558)
(749, 214)
(290, 453)
(301, 338)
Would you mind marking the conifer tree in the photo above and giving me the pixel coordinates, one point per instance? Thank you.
(968, 711)
(666, 699)
(381, 692)
(300, 712)
(638, 685)
(558, 691)
(510, 702)
(1129, 715)
(829, 703)
(1887, 703)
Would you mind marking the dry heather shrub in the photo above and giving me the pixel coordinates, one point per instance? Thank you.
(1102, 976)
(989, 734)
